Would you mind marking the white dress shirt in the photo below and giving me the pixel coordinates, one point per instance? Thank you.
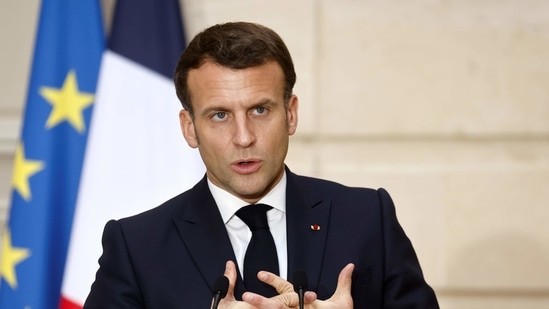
(238, 231)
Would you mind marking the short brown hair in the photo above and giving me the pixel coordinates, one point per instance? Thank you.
(237, 45)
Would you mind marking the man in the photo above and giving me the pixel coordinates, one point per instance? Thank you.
(235, 83)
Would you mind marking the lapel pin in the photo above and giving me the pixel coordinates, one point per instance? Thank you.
(315, 227)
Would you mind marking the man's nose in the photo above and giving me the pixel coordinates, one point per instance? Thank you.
(243, 132)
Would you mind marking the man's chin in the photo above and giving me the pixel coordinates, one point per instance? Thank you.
(251, 193)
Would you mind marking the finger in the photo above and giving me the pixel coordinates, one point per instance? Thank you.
(260, 302)
(291, 299)
(284, 301)
(229, 301)
(309, 297)
(230, 272)
(282, 286)
(344, 281)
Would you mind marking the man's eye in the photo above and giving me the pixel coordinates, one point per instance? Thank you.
(260, 110)
(219, 116)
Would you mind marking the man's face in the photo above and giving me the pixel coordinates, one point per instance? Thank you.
(241, 126)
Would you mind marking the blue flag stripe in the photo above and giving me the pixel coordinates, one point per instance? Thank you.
(148, 32)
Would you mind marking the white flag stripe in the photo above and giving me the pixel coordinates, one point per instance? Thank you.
(136, 158)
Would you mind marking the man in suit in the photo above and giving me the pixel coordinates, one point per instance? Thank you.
(235, 82)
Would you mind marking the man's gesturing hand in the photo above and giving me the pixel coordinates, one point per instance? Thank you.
(287, 297)
(341, 299)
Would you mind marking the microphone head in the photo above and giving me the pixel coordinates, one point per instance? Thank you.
(300, 280)
(221, 286)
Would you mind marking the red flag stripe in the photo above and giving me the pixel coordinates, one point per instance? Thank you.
(67, 304)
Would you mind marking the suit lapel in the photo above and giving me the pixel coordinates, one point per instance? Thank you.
(203, 232)
(307, 220)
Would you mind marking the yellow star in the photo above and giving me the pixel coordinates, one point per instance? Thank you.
(68, 103)
(10, 258)
(23, 169)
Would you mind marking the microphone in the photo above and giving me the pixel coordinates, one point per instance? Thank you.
(300, 286)
(220, 288)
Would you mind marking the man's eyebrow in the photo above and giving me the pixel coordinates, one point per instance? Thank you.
(263, 102)
(210, 109)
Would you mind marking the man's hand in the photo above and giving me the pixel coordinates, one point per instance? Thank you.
(230, 302)
(341, 299)
(287, 297)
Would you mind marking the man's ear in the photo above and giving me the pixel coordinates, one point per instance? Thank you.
(187, 128)
(292, 114)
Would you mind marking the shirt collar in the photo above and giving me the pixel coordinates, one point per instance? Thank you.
(229, 204)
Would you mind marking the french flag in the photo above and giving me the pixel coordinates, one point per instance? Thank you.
(136, 157)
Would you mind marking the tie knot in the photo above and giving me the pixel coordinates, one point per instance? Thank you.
(255, 216)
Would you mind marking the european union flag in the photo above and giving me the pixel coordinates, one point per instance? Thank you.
(49, 155)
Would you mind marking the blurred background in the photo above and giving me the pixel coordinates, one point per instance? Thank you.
(443, 103)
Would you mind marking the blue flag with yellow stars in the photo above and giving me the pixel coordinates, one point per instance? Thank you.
(49, 154)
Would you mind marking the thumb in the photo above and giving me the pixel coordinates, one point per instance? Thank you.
(230, 272)
(344, 282)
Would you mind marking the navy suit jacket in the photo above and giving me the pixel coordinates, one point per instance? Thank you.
(170, 256)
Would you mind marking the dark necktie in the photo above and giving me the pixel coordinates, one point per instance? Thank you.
(261, 251)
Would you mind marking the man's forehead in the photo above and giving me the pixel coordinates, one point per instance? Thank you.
(211, 75)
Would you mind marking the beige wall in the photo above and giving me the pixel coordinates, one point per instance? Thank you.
(444, 103)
